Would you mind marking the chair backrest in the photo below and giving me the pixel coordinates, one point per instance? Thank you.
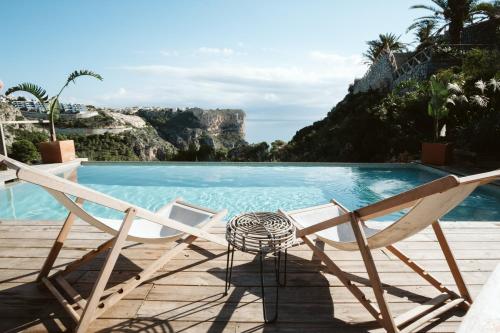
(426, 203)
(61, 188)
(421, 215)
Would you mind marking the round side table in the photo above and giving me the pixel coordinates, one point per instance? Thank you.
(261, 233)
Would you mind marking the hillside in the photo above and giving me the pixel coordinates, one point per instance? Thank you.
(145, 134)
(389, 125)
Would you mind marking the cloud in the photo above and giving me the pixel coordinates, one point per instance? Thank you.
(317, 81)
(226, 52)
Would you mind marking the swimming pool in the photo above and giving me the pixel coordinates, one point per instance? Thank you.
(241, 187)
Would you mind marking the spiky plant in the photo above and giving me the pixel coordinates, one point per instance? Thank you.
(41, 95)
(481, 85)
(494, 84)
(446, 89)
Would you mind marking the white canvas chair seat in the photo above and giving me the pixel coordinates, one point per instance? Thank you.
(144, 231)
(419, 217)
(423, 206)
(341, 236)
(176, 221)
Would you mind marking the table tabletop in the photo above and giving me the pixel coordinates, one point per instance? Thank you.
(266, 232)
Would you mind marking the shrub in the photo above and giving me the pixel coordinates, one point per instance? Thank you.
(481, 64)
(24, 151)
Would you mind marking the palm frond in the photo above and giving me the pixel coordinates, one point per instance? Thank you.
(82, 72)
(429, 8)
(30, 88)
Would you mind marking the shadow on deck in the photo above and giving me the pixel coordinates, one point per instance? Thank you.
(187, 294)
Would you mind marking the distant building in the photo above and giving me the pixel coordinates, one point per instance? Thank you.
(73, 108)
(30, 106)
(33, 106)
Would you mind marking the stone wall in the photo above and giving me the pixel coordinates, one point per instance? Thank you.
(379, 76)
(391, 69)
(419, 72)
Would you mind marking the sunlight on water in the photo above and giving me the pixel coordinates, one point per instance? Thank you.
(239, 189)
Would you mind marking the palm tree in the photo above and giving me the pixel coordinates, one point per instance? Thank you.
(41, 95)
(387, 41)
(424, 33)
(454, 14)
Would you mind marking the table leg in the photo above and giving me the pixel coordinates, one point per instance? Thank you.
(229, 268)
(277, 268)
(273, 319)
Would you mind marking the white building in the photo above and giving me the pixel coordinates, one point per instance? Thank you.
(73, 108)
(32, 106)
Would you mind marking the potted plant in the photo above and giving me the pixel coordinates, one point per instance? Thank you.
(443, 93)
(53, 151)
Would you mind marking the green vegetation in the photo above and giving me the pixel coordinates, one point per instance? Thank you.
(100, 121)
(24, 151)
(453, 14)
(378, 127)
(106, 147)
(41, 95)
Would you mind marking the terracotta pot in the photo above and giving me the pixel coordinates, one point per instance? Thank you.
(437, 153)
(57, 151)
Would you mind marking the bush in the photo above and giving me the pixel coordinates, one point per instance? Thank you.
(24, 151)
(481, 64)
(32, 136)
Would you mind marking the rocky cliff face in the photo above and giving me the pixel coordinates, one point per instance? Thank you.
(145, 134)
(220, 128)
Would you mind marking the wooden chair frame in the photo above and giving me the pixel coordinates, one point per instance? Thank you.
(85, 311)
(416, 317)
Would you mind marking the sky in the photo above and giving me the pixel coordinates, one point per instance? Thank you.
(286, 63)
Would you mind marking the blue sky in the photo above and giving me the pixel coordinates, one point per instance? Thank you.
(286, 63)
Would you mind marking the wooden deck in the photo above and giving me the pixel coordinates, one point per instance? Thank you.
(186, 296)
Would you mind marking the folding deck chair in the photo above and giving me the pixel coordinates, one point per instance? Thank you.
(345, 230)
(177, 221)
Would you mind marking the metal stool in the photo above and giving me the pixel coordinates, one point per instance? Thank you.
(261, 233)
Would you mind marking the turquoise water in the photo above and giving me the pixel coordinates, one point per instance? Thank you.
(240, 188)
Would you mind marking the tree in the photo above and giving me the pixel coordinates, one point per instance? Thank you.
(454, 14)
(277, 147)
(41, 95)
(424, 33)
(387, 41)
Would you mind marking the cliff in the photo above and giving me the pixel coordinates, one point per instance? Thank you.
(219, 128)
(140, 134)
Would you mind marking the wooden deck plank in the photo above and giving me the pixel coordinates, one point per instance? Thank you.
(186, 294)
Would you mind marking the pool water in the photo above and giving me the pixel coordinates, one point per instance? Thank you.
(241, 188)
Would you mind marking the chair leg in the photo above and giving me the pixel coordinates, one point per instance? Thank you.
(371, 269)
(58, 244)
(421, 271)
(320, 245)
(98, 289)
(452, 263)
(128, 286)
(342, 276)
